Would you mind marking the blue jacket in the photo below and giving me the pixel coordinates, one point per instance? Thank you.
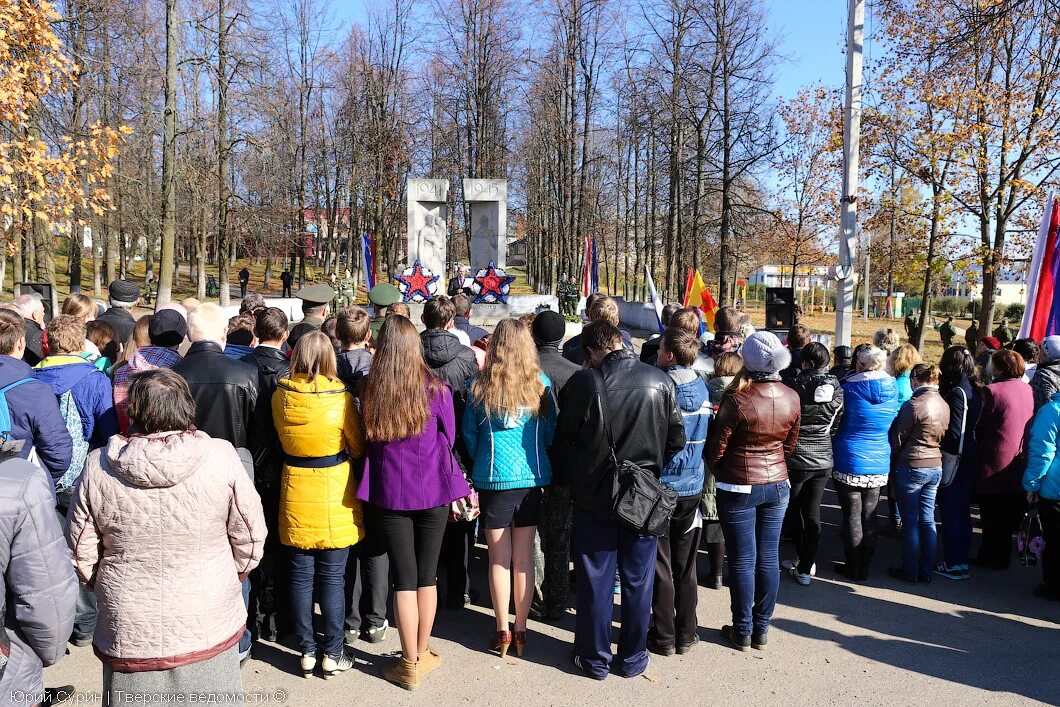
(905, 387)
(92, 393)
(35, 418)
(508, 452)
(684, 473)
(1043, 465)
(870, 402)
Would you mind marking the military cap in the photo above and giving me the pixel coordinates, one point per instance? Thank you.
(384, 294)
(316, 294)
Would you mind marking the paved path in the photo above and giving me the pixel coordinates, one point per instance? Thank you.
(983, 641)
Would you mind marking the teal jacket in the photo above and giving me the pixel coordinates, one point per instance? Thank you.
(1042, 475)
(905, 387)
(510, 452)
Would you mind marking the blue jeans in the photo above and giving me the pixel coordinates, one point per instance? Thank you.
(597, 548)
(751, 523)
(327, 569)
(916, 498)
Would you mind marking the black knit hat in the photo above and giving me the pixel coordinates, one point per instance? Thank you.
(549, 327)
(124, 291)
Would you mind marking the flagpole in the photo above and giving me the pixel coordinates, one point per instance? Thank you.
(851, 142)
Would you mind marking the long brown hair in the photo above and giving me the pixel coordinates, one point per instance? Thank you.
(510, 382)
(138, 338)
(314, 356)
(399, 386)
(740, 383)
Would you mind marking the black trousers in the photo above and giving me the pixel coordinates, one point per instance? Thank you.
(270, 612)
(242, 289)
(804, 514)
(457, 542)
(1000, 516)
(1049, 513)
(367, 580)
(286, 290)
(859, 525)
(674, 598)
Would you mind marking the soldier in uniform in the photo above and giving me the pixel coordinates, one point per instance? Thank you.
(315, 301)
(568, 298)
(382, 296)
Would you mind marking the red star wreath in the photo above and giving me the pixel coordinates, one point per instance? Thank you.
(417, 284)
(491, 285)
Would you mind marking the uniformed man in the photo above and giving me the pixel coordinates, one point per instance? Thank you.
(382, 296)
(315, 300)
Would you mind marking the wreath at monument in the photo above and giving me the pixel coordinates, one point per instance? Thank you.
(491, 285)
(417, 284)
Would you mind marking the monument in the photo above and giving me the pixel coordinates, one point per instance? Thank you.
(488, 199)
(427, 223)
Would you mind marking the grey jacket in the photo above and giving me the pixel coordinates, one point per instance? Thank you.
(37, 576)
(1045, 382)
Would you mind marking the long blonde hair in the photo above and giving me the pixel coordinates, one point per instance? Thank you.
(400, 386)
(740, 383)
(510, 382)
(903, 359)
(314, 356)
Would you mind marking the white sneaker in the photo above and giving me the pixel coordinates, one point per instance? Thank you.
(789, 565)
(803, 579)
(309, 664)
(333, 665)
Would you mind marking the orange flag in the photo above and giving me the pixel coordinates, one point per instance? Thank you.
(697, 295)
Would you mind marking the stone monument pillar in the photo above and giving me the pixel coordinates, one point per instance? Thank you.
(427, 223)
(489, 221)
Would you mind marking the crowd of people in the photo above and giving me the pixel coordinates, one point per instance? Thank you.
(220, 479)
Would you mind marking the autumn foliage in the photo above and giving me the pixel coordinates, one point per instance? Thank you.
(53, 182)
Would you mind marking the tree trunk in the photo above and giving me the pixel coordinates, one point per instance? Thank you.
(169, 155)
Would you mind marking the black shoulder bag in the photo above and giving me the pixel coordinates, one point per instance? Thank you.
(639, 501)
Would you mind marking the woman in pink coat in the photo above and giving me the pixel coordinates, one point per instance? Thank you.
(164, 526)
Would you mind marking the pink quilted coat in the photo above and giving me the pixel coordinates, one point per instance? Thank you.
(164, 527)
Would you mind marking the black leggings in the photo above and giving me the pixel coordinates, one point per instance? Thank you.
(804, 514)
(859, 515)
(413, 541)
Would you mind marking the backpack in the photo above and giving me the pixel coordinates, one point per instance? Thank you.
(5, 411)
(72, 418)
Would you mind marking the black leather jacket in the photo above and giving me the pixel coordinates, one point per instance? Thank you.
(268, 462)
(225, 392)
(644, 419)
(822, 409)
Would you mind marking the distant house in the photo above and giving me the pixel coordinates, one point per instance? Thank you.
(780, 276)
(1011, 285)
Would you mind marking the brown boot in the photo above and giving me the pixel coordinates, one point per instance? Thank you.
(403, 673)
(429, 660)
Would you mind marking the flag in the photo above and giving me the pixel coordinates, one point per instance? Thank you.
(368, 256)
(589, 283)
(1041, 310)
(697, 295)
(595, 279)
(654, 298)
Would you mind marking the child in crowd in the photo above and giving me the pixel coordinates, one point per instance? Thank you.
(353, 327)
(726, 366)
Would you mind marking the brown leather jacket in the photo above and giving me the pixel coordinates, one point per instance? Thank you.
(753, 433)
(918, 430)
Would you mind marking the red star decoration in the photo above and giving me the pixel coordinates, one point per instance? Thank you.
(493, 286)
(417, 284)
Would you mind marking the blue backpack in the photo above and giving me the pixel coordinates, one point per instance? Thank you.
(5, 413)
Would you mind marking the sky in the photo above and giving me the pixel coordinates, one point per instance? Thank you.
(812, 36)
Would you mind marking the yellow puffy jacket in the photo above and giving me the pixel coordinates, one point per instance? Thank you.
(318, 506)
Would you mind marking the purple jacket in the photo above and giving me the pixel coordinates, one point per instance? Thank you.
(419, 472)
(1008, 410)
